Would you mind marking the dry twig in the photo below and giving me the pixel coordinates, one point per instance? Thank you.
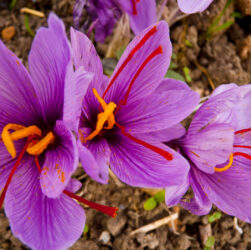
(32, 12)
(156, 224)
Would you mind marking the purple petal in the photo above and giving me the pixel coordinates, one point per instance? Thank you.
(222, 88)
(17, 95)
(38, 221)
(144, 16)
(142, 65)
(60, 162)
(48, 61)
(199, 204)
(229, 190)
(210, 146)
(173, 194)
(139, 166)
(95, 160)
(76, 85)
(169, 134)
(166, 107)
(192, 6)
(219, 109)
(77, 12)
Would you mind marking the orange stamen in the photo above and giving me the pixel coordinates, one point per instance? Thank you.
(231, 159)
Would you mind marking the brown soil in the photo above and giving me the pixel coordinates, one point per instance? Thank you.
(225, 58)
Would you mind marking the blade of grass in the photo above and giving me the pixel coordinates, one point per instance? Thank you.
(27, 25)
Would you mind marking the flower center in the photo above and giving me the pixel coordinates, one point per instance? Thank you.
(103, 117)
(35, 147)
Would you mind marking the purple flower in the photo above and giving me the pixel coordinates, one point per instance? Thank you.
(218, 146)
(105, 14)
(192, 6)
(125, 118)
(38, 200)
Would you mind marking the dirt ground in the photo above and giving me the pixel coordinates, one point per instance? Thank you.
(225, 58)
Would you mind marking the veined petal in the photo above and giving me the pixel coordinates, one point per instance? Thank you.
(48, 60)
(139, 166)
(60, 162)
(18, 97)
(167, 106)
(76, 85)
(173, 194)
(144, 16)
(210, 146)
(200, 204)
(229, 190)
(192, 6)
(142, 66)
(95, 159)
(40, 222)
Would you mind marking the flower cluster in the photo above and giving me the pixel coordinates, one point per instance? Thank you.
(65, 110)
(104, 14)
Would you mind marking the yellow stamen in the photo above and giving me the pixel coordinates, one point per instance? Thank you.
(111, 118)
(102, 117)
(8, 138)
(41, 145)
(231, 159)
(20, 132)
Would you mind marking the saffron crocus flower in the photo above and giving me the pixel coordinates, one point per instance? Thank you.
(38, 152)
(124, 119)
(193, 6)
(217, 145)
(104, 15)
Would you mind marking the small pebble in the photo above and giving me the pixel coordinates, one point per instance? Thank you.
(8, 33)
(105, 237)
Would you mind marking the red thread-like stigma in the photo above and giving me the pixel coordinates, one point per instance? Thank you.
(243, 131)
(243, 155)
(242, 146)
(155, 149)
(147, 60)
(111, 211)
(13, 170)
(150, 33)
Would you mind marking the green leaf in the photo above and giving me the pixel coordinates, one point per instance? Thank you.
(210, 242)
(12, 4)
(160, 196)
(27, 25)
(174, 75)
(150, 204)
(173, 65)
(215, 216)
(224, 26)
(120, 52)
(188, 44)
(186, 71)
(86, 230)
(215, 22)
(174, 56)
(237, 14)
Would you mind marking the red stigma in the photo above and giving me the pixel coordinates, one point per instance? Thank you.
(242, 146)
(157, 150)
(243, 155)
(134, 7)
(150, 33)
(147, 60)
(13, 170)
(243, 131)
(111, 211)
